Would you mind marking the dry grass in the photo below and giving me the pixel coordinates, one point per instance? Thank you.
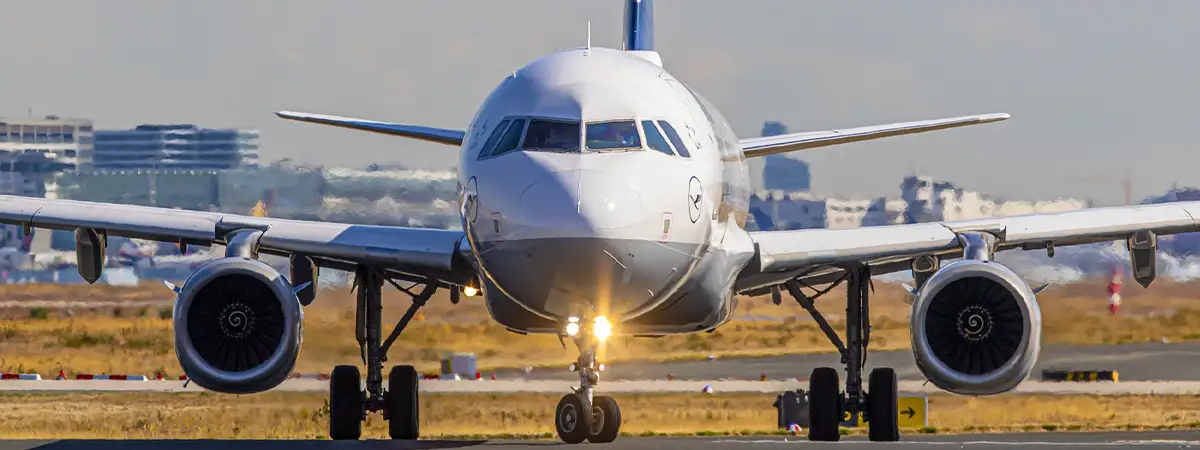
(281, 415)
(110, 339)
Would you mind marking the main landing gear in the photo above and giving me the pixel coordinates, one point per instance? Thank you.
(827, 405)
(349, 404)
(581, 415)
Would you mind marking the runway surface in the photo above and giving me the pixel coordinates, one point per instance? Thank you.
(1146, 440)
(1143, 368)
(1134, 362)
(614, 387)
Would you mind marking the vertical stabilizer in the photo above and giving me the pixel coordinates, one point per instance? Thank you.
(639, 25)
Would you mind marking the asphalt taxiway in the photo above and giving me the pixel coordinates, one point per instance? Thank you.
(1140, 440)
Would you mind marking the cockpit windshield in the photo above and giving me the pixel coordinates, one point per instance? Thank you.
(617, 135)
(552, 136)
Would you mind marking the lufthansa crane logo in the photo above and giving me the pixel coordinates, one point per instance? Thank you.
(471, 197)
(695, 199)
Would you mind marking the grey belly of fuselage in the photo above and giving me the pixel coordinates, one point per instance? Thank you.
(646, 287)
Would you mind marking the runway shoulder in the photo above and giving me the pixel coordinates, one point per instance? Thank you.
(1142, 440)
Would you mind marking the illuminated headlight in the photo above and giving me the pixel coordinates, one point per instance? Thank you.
(602, 328)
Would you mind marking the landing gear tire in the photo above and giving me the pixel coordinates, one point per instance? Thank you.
(345, 403)
(824, 405)
(572, 424)
(403, 403)
(882, 408)
(606, 420)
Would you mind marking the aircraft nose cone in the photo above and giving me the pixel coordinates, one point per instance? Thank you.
(563, 275)
(578, 203)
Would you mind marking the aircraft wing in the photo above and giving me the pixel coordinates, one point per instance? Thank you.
(416, 251)
(438, 135)
(770, 145)
(815, 254)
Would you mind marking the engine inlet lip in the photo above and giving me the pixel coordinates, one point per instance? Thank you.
(1008, 375)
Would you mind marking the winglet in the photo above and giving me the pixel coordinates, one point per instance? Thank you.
(438, 135)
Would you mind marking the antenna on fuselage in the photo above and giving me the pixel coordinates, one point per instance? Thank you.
(589, 38)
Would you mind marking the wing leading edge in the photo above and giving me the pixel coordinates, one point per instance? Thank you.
(784, 255)
(770, 145)
(423, 252)
(438, 135)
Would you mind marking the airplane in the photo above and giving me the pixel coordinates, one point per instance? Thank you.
(600, 195)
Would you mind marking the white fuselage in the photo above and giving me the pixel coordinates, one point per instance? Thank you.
(588, 208)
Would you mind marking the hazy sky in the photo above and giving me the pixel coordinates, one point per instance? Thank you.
(1097, 89)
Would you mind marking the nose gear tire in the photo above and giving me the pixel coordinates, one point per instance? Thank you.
(572, 424)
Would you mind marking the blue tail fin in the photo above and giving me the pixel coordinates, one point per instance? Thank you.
(639, 25)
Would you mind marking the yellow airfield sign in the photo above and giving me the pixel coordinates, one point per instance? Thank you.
(913, 413)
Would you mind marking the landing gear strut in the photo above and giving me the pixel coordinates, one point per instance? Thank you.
(349, 404)
(581, 415)
(828, 407)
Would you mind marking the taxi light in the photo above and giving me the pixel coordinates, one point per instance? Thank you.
(602, 328)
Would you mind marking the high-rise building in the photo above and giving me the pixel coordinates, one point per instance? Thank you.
(66, 142)
(175, 147)
(780, 172)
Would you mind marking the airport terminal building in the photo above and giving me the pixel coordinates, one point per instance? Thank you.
(68, 142)
(175, 147)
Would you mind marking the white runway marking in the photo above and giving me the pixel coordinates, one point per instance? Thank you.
(615, 387)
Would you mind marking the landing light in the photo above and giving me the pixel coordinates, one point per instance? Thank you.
(602, 328)
(470, 291)
(572, 329)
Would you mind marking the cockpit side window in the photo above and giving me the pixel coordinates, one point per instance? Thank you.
(616, 135)
(511, 138)
(655, 139)
(552, 136)
(674, 137)
(490, 144)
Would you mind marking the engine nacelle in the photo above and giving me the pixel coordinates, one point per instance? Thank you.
(976, 328)
(237, 326)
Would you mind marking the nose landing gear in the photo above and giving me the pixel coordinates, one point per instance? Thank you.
(581, 415)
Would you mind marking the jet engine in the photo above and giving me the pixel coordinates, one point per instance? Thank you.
(976, 328)
(237, 326)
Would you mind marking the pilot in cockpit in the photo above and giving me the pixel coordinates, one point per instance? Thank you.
(613, 135)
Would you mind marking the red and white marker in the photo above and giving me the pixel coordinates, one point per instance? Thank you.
(88, 376)
(21, 376)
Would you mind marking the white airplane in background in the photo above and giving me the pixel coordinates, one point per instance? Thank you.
(602, 196)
